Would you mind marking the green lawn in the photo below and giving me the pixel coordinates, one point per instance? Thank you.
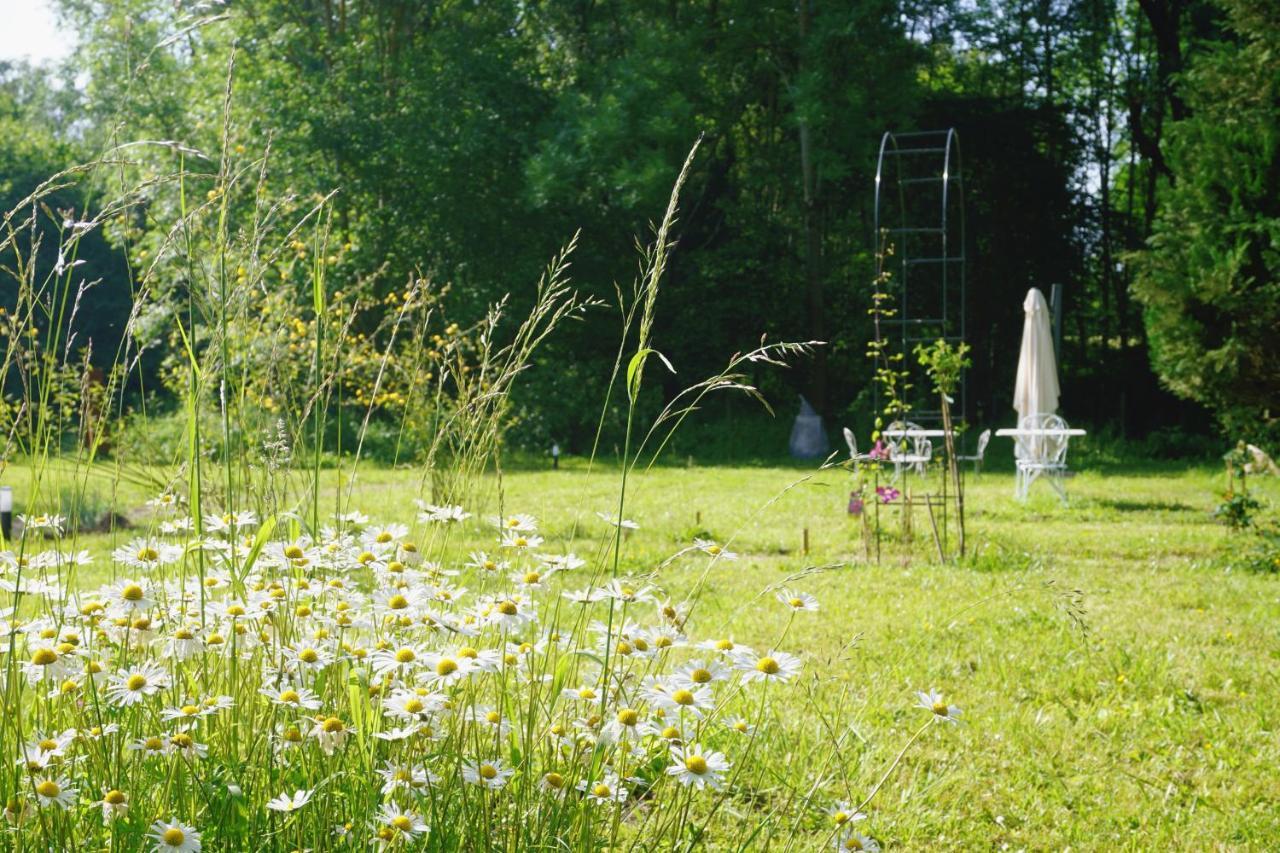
(1150, 723)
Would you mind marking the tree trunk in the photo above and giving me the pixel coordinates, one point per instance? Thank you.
(812, 243)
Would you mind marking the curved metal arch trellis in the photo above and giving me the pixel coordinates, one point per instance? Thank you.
(921, 215)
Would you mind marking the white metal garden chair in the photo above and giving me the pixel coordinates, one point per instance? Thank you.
(1041, 453)
(854, 456)
(908, 451)
(983, 440)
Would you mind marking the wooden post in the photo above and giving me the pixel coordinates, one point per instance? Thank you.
(806, 541)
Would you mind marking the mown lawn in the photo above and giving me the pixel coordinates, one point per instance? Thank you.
(1117, 677)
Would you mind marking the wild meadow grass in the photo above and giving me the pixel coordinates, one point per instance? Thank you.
(261, 640)
(1146, 726)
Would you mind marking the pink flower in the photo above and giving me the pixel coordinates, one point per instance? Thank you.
(888, 494)
(855, 503)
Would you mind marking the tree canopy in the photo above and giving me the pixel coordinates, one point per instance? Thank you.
(1115, 149)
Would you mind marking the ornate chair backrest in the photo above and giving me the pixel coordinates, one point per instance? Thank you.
(1043, 449)
(918, 444)
(983, 440)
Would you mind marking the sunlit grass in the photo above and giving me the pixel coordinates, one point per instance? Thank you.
(1150, 728)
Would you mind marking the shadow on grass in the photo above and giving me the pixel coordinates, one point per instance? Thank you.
(1121, 505)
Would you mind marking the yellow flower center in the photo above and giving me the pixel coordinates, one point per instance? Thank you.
(44, 657)
(554, 780)
(696, 764)
(133, 592)
(841, 817)
(628, 717)
(724, 646)
(468, 652)
(136, 681)
(366, 557)
(397, 602)
(333, 725)
(402, 823)
(48, 788)
(493, 717)
(682, 697)
(940, 708)
(173, 836)
(182, 741)
(308, 656)
(290, 696)
(508, 608)
(293, 552)
(114, 798)
(796, 602)
(190, 710)
(532, 577)
(414, 706)
(700, 676)
(405, 655)
(446, 666)
(48, 745)
(147, 555)
(488, 771)
(521, 542)
(153, 743)
(384, 537)
(768, 666)
(601, 790)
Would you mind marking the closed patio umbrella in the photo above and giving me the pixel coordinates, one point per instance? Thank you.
(1035, 391)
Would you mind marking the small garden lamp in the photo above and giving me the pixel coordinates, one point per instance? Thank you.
(6, 511)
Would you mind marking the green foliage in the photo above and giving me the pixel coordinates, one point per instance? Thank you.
(943, 362)
(1210, 281)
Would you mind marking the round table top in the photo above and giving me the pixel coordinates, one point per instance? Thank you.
(1045, 431)
(913, 433)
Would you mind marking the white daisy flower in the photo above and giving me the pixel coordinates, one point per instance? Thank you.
(396, 826)
(852, 840)
(331, 733)
(55, 791)
(290, 802)
(797, 600)
(114, 804)
(842, 814)
(518, 523)
(519, 541)
(174, 837)
(710, 548)
(607, 789)
(613, 521)
(293, 696)
(775, 666)
(942, 712)
(488, 774)
(133, 685)
(692, 766)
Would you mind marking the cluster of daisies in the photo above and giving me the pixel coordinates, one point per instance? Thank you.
(228, 676)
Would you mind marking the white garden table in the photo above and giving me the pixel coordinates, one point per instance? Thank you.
(1031, 468)
(917, 459)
